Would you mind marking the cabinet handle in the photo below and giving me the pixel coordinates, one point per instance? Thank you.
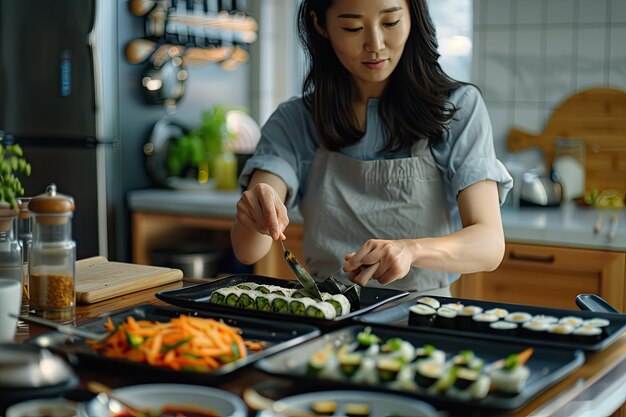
(547, 259)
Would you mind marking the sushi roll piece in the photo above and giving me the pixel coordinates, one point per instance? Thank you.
(535, 328)
(572, 321)
(454, 306)
(320, 310)
(247, 300)
(467, 359)
(339, 302)
(427, 373)
(219, 296)
(318, 361)
(483, 321)
(587, 334)
(249, 286)
(505, 328)
(444, 383)
(430, 353)
(232, 299)
(561, 331)
(366, 339)
(465, 315)
(545, 319)
(349, 363)
(422, 315)
(366, 374)
(429, 301)
(324, 408)
(500, 312)
(464, 379)
(388, 369)
(299, 306)
(446, 317)
(263, 302)
(265, 289)
(280, 304)
(509, 376)
(597, 322)
(518, 317)
(356, 409)
(398, 348)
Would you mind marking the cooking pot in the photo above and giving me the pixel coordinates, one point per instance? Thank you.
(540, 190)
(28, 371)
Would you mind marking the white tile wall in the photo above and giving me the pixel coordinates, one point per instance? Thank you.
(554, 49)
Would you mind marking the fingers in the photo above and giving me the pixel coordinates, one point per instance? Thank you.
(362, 275)
(262, 210)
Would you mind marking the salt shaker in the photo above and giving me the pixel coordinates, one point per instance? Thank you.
(51, 268)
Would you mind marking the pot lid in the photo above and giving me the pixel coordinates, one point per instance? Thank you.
(51, 202)
(27, 366)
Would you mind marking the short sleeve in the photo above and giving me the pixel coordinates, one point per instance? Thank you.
(467, 154)
(286, 149)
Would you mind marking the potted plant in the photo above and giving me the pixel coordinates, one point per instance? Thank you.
(12, 162)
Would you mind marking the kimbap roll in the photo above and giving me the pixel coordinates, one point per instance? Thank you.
(429, 301)
(324, 408)
(596, 322)
(500, 312)
(431, 354)
(427, 373)
(247, 300)
(232, 299)
(356, 410)
(510, 375)
(388, 369)
(298, 306)
(321, 310)
(280, 304)
(263, 302)
(421, 315)
(572, 321)
(339, 302)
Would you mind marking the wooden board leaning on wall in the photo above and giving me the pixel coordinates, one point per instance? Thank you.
(598, 117)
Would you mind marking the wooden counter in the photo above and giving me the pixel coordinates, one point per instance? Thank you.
(601, 379)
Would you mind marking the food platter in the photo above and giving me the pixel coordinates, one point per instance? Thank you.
(546, 366)
(198, 297)
(401, 316)
(275, 336)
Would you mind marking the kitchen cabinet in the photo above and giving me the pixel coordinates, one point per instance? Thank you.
(549, 276)
(153, 229)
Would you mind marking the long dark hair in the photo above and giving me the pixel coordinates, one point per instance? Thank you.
(414, 104)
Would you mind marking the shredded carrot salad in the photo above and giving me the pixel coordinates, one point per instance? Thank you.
(183, 343)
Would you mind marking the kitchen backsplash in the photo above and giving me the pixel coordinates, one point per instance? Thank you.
(529, 55)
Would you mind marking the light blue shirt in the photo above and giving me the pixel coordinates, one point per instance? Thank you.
(466, 155)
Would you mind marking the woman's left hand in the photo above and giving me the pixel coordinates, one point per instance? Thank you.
(383, 260)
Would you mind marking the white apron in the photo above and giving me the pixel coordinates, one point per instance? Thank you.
(348, 202)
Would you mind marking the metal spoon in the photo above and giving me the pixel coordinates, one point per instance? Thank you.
(98, 388)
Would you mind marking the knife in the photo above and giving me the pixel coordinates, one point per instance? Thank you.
(63, 328)
(303, 277)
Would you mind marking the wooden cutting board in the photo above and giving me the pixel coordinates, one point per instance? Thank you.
(98, 279)
(598, 117)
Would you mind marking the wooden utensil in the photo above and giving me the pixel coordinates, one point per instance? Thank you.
(139, 50)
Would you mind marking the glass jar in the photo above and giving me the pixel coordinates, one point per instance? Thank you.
(10, 249)
(52, 263)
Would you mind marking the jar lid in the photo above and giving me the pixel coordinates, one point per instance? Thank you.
(51, 202)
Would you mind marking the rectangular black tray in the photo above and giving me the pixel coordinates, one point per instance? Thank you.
(278, 335)
(547, 365)
(399, 316)
(197, 297)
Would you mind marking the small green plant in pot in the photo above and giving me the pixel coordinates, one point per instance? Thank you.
(12, 162)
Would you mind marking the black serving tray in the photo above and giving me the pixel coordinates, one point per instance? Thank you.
(399, 316)
(197, 297)
(547, 365)
(278, 335)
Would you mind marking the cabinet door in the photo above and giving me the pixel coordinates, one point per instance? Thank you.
(549, 276)
(274, 264)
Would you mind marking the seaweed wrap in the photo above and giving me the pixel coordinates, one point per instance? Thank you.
(331, 285)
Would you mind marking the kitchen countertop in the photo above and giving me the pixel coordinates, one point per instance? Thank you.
(567, 225)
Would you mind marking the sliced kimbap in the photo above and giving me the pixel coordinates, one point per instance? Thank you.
(263, 302)
(545, 319)
(510, 375)
(250, 286)
(321, 310)
(572, 321)
(430, 353)
(388, 369)
(427, 373)
(421, 315)
(366, 338)
(219, 296)
(339, 302)
(356, 409)
(247, 299)
(349, 363)
(500, 312)
(232, 299)
(596, 322)
(298, 306)
(324, 408)
(518, 317)
(429, 301)
(280, 304)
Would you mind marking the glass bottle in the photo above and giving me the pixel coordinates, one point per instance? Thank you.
(10, 249)
(52, 263)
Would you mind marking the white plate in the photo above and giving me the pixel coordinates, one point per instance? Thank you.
(381, 404)
(53, 407)
(157, 395)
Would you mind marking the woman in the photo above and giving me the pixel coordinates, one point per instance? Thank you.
(390, 161)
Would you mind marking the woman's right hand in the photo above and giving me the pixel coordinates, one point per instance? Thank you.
(261, 209)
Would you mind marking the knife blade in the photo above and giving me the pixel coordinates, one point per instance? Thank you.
(62, 328)
(302, 275)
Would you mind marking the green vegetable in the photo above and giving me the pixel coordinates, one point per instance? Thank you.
(511, 362)
(12, 162)
(367, 338)
(167, 348)
(133, 341)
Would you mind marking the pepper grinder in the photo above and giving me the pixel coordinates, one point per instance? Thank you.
(52, 264)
